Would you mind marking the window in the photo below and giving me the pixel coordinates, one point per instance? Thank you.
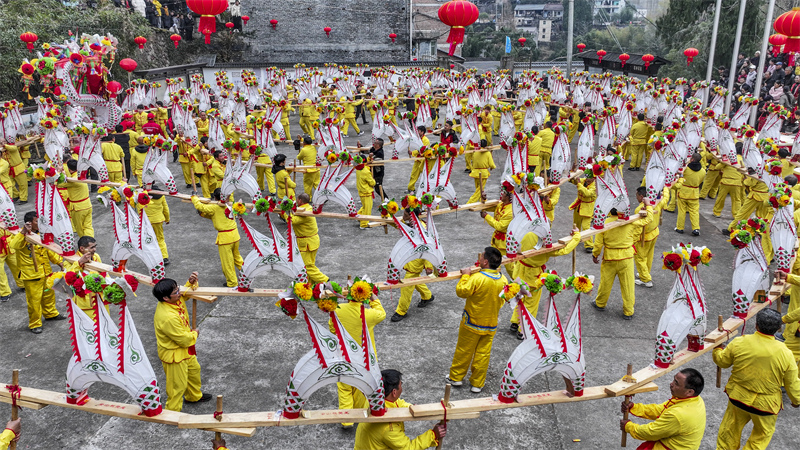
(425, 48)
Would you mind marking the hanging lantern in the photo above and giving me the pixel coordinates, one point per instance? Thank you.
(452, 66)
(600, 54)
(176, 39)
(207, 10)
(229, 26)
(648, 58)
(29, 38)
(457, 14)
(328, 31)
(140, 41)
(245, 19)
(777, 41)
(690, 53)
(274, 23)
(624, 58)
(522, 41)
(113, 88)
(392, 36)
(581, 46)
(128, 65)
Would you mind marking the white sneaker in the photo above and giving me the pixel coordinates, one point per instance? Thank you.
(475, 390)
(649, 284)
(361, 133)
(452, 382)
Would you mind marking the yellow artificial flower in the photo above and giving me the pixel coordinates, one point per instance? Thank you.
(38, 174)
(303, 291)
(705, 256)
(328, 305)
(361, 291)
(393, 207)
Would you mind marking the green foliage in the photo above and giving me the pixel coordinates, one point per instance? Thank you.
(485, 42)
(582, 22)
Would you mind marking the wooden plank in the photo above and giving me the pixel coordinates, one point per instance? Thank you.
(542, 398)
(272, 419)
(24, 403)
(115, 409)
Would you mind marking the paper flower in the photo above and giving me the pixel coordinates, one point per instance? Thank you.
(303, 291)
(672, 261)
(705, 256)
(113, 294)
(288, 306)
(328, 305)
(94, 282)
(239, 208)
(580, 283)
(361, 291)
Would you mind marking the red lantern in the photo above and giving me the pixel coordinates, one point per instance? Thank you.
(690, 53)
(230, 26)
(28, 38)
(452, 66)
(581, 46)
(176, 38)
(522, 41)
(648, 58)
(328, 31)
(274, 23)
(245, 19)
(113, 88)
(392, 36)
(207, 10)
(140, 41)
(128, 65)
(777, 40)
(457, 14)
(624, 58)
(600, 54)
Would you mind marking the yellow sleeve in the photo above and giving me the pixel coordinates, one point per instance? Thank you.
(499, 225)
(376, 313)
(663, 427)
(5, 438)
(724, 357)
(18, 242)
(464, 288)
(587, 194)
(491, 161)
(166, 210)
(576, 239)
(205, 210)
(598, 244)
(55, 258)
(647, 411)
(395, 438)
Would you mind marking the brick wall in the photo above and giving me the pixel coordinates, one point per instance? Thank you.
(360, 33)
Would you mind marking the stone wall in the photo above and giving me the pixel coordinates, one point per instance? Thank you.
(360, 32)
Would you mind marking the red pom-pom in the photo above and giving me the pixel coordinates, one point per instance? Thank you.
(132, 282)
(50, 172)
(128, 192)
(70, 277)
(143, 199)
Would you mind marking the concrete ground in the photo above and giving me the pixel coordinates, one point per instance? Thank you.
(248, 348)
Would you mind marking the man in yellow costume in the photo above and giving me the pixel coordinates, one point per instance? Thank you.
(366, 191)
(757, 200)
(646, 242)
(19, 178)
(34, 266)
(482, 163)
(413, 269)
(485, 124)
(87, 252)
(307, 234)
(386, 435)
(639, 136)
(350, 115)
(479, 320)
(79, 205)
(227, 235)
(548, 139)
(761, 366)
(730, 184)
(534, 151)
(416, 169)
(503, 214)
(176, 340)
(158, 213)
(114, 158)
(617, 247)
(678, 423)
(308, 157)
(688, 187)
(349, 315)
(9, 258)
(198, 161)
(308, 114)
(791, 334)
(583, 206)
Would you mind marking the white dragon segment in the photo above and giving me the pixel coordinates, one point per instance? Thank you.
(417, 241)
(516, 155)
(107, 113)
(11, 122)
(751, 155)
(238, 177)
(547, 347)
(155, 167)
(408, 140)
(656, 176)
(330, 135)
(529, 217)
(335, 357)
(55, 139)
(469, 128)
(8, 213)
(437, 181)
(54, 220)
(750, 274)
(332, 188)
(273, 252)
(585, 151)
(561, 158)
(91, 155)
(727, 147)
(608, 131)
(102, 352)
(611, 193)
(782, 231)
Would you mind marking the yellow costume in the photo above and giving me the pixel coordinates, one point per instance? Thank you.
(482, 163)
(413, 269)
(730, 184)
(478, 324)
(534, 151)
(183, 158)
(391, 435)
(688, 194)
(263, 173)
(158, 212)
(7, 257)
(639, 135)
(416, 169)
(137, 166)
(485, 126)
(503, 214)
(284, 184)
(227, 238)
(548, 138)
(19, 185)
(86, 302)
(33, 262)
(646, 243)
(79, 207)
(549, 202)
(307, 234)
(113, 156)
(678, 423)
(583, 208)
(757, 201)
(7, 436)
(350, 116)
(198, 161)
(712, 179)
(308, 157)
(792, 318)
(176, 342)
(366, 190)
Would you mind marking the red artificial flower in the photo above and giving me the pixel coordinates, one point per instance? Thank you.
(673, 262)
(50, 172)
(774, 202)
(143, 199)
(132, 281)
(70, 277)
(597, 170)
(694, 258)
(128, 192)
(289, 306)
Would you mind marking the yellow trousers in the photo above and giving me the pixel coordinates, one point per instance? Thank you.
(115, 177)
(19, 187)
(729, 436)
(416, 170)
(11, 261)
(710, 186)
(261, 174)
(531, 304)
(204, 179)
(624, 150)
(187, 173)
(407, 291)
(158, 229)
(183, 379)
(751, 205)
(305, 125)
(346, 125)
(480, 183)
(637, 151)
(82, 222)
(350, 398)
(231, 260)
(39, 302)
(314, 274)
(287, 128)
(545, 158)
(583, 223)
(724, 191)
(673, 198)
(366, 209)
(468, 160)
(622, 269)
(472, 349)
(692, 207)
(310, 182)
(644, 259)
(486, 135)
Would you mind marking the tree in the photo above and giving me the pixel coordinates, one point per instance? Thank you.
(582, 22)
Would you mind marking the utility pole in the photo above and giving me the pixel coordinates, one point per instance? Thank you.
(570, 32)
(712, 48)
(762, 59)
(736, 42)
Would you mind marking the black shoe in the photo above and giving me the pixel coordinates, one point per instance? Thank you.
(22, 202)
(514, 327)
(520, 336)
(37, 330)
(588, 249)
(166, 262)
(188, 185)
(396, 317)
(628, 317)
(57, 317)
(695, 232)
(423, 302)
(599, 308)
(225, 284)
(203, 399)
(670, 211)
(5, 298)
(632, 168)
(678, 231)
(725, 232)
(467, 171)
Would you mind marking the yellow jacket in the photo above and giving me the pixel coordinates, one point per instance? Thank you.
(549, 203)
(350, 109)
(730, 175)
(78, 194)
(710, 160)
(30, 268)
(678, 423)
(282, 181)
(548, 138)
(792, 317)
(183, 151)
(308, 156)
(531, 267)
(586, 198)
(217, 169)
(651, 231)
(758, 189)
(227, 233)
(137, 162)
(350, 315)
(481, 163)
(519, 118)
(689, 185)
(85, 302)
(761, 365)
(174, 333)
(7, 436)
(787, 168)
(140, 118)
(481, 290)
(305, 230)
(202, 127)
(640, 133)
(14, 160)
(198, 159)
(534, 149)
(365, 182)
(391, 435)
(112, 154)
(5, 177)
(503, 214)
(157, 210)
(618, 242)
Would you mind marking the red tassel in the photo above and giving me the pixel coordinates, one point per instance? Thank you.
(455, 37)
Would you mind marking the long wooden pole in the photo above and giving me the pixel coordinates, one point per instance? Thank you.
(194, 313)
(625, 415)
(446, 402)
(720, 321)
(14, 408)
(218, 416)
